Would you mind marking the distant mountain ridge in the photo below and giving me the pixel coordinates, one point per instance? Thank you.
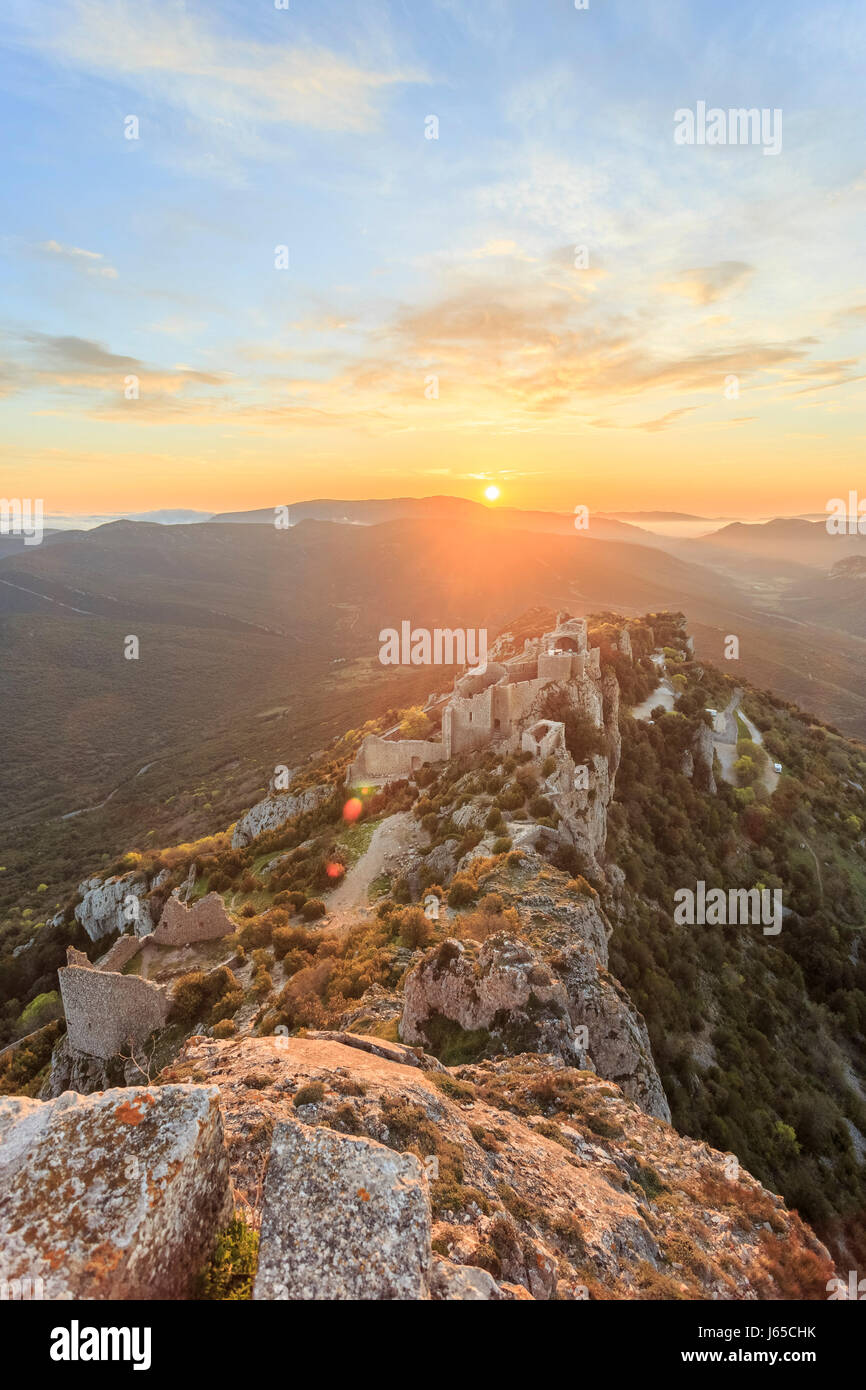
(375, 511)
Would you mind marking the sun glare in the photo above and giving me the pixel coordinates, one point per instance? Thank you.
(491, 493)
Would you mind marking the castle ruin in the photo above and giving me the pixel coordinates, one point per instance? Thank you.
(492, 706)
(106, 1011)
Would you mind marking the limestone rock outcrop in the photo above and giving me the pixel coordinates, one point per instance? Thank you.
(549, 990)
(342, 1218)
(703, 759)
(274, 811)
(77, 1071)
(507, 991)
(118, 1195)
(112, 904)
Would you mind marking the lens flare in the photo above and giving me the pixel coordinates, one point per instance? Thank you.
(335, 870)
(353, 808)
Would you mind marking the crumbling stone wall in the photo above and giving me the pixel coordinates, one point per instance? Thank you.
(381, 758)
(544, 738)
(180, 925)
(124, 950)
(105, 1011)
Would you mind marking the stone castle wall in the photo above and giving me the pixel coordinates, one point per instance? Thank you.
(179, 925)
(124, 950)
(106, 1011)
(380, 758)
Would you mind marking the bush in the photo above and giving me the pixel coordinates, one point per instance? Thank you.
(231, 1270)
(262, 984)
(224, 1029)
(490, 916)
(511, 799)
(463, 890)
(226, 1005)
(312, 909)
(310, 1094)
(287, 939)
(415, 724)
(197, 993)
(41, 1010)
(413, 927)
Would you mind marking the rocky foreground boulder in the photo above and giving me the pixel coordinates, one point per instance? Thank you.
(343, 1218)
(116, 1195)
(544, 1182)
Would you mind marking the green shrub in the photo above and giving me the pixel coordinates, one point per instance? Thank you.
(231, 1270)
(41, 1010)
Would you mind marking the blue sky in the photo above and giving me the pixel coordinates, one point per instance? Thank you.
(411, 257)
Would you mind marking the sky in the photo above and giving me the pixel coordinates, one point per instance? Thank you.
(436, 329)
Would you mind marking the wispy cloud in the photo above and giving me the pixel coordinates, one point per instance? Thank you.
(166, 49)
(89, 262)
(707, 283)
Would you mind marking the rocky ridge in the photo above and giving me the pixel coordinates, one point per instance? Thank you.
(503, 1062)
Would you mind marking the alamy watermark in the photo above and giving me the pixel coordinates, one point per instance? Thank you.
(24, 1290)
(744, 907)
(736, 126)
(77, 1343)
(22, 516)
(441, 647)
(846, 518)
(854, 1291)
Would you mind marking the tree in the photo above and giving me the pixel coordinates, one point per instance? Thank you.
(415, 723)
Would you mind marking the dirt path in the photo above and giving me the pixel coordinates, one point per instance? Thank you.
(817, 867)
(395, 835)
